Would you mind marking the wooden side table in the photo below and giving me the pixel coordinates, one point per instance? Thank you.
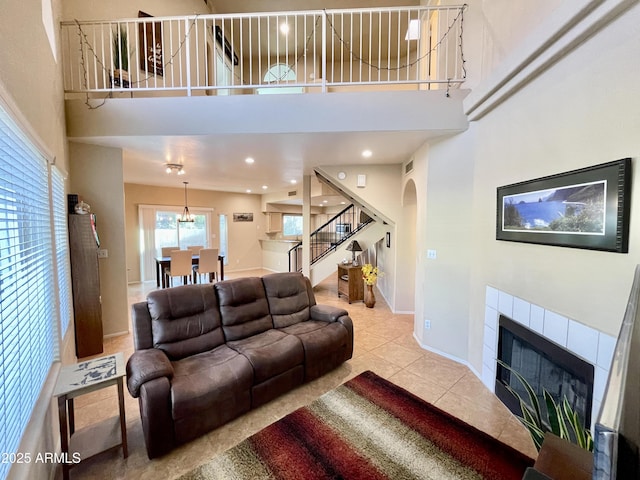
(350, 283)
(79, 379)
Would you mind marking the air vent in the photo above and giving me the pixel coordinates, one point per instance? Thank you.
(293, 193)
(408, 168)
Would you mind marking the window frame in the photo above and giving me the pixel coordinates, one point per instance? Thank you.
(30, 349)
(296, 215)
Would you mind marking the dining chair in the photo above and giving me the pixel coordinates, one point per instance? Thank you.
(179, 266)
(207, 264)
(195, 248)
(166, 251)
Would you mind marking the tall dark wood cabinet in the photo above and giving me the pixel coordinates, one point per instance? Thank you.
(85, 280)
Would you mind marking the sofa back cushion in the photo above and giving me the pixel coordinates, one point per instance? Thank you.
(288, 298)
(243, 308)
(185, 320)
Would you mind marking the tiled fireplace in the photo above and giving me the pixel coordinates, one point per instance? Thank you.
(591, 345)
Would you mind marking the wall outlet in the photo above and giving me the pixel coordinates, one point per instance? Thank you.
(427, 324)
(432, 254)
(103, 253)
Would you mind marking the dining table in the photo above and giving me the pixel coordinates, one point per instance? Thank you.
(163, 262)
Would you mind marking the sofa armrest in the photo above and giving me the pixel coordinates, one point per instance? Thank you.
(146, 365)
(326, 313)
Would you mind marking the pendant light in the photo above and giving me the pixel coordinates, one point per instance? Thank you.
(186, 216)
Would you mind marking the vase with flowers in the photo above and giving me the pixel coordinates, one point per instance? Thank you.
(370, 275)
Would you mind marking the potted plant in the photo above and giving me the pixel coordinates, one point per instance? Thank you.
(560, 419)
(121, 53)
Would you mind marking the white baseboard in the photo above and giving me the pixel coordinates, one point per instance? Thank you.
(449, 356)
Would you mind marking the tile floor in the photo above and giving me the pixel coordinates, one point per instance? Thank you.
(384, 343)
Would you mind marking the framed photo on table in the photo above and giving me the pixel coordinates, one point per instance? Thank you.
(585, 208)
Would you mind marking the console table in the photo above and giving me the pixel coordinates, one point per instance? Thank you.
(350, 283)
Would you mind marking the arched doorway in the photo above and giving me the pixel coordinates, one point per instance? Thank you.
(405, 296)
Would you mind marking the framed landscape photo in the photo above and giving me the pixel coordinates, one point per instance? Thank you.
(586, 208)
(243, 217)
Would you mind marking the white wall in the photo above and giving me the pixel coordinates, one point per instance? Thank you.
(96, 176)
(580, 111)
(444, 288)
(99, 10)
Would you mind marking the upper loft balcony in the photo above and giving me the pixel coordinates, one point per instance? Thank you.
(196, 90)
(405, 48)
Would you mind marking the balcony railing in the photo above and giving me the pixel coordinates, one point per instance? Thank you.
(301, 51)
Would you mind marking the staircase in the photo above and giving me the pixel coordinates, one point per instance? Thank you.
(329, 242)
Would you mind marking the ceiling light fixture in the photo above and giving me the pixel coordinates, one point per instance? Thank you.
(174, 167)
(249, 160)
(293, 182)
(264, 187)
(367, 153)
(284, 28)
(186, 216)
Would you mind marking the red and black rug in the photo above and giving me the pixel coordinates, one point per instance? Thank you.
(367, 428)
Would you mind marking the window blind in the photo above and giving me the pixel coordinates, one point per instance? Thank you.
(27, 309)
(59, 205)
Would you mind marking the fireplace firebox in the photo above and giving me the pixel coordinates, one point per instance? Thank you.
(544, 365)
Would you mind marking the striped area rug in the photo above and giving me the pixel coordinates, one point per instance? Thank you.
(367, 428)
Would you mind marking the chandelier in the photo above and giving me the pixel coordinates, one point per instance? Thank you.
(174, 167)
(186, 216)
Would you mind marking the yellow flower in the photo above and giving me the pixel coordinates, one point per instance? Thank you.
(370, 274)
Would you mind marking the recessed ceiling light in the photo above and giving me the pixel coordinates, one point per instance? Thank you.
(367, 153)
(284, 28)
(325, 201)
(264, 187)
(248, 190)
(294, 181)
(249, 160)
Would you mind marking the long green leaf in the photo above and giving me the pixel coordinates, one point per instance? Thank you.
(537, 435)
(582, 435)
(556, 419)
(533, 398)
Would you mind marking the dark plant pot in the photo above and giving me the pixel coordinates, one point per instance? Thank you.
(120, 78)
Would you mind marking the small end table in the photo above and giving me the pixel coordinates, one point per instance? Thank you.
(79, 379)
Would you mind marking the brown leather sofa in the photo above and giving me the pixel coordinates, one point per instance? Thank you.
(206, 354)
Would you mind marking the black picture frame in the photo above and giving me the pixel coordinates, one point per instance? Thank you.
(388, 239)
(586, 208)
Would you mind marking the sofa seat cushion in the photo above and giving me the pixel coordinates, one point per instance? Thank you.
(319, 338)
(203, 379)
(270, 353)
